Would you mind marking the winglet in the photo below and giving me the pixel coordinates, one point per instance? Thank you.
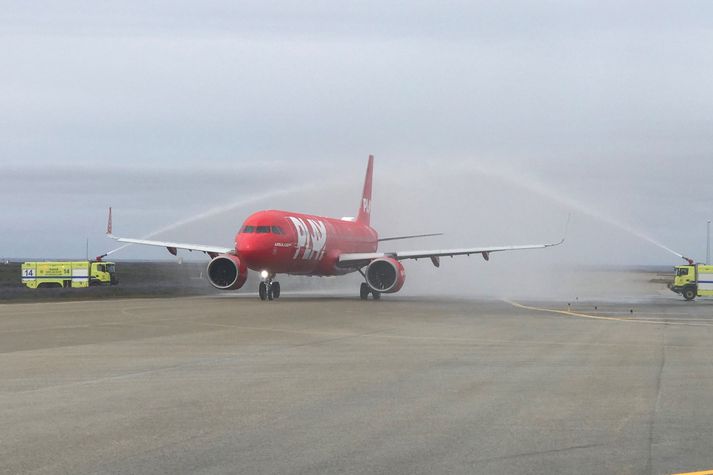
(564, 236)
(108, 224)
(566, 226)
(566, 229)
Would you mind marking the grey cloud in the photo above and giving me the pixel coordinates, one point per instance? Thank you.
(356, 18)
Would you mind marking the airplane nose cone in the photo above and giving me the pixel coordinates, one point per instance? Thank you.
(248, 245)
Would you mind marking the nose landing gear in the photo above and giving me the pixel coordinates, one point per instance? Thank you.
(269, 289)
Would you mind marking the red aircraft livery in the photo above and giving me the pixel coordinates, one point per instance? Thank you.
(282, 242)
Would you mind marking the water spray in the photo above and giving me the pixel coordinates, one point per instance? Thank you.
(209, 213)
(547, 191)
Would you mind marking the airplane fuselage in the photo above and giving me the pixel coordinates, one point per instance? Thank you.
(283, 242)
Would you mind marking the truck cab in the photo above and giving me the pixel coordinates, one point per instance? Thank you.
(103, 273)
(693, 281)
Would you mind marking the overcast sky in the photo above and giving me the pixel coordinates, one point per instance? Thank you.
(490, 121)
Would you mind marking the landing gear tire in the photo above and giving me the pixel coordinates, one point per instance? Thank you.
(689, 293)
(364, 291)
(376, 295)
(269, 290)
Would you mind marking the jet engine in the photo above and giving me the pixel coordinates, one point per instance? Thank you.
(227, 272)
(385, 275)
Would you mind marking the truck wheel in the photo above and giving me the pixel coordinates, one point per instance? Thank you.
(276, 290)
(364, 291)
(262, 291)
(689, 293)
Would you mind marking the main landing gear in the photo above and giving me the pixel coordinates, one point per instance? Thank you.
(269, 289)
(364, 292)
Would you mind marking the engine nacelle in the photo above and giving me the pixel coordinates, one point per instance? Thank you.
(385, 275)
(227, 272)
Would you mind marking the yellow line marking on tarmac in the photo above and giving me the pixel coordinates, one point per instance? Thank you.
(704, 472)
(624, 312)
(664, 319)
(570, 313)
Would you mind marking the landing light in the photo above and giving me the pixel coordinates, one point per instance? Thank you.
(264, 274)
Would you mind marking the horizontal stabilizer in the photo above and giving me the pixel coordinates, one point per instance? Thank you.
(413, 236)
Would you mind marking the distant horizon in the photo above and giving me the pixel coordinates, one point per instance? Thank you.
(16, 260)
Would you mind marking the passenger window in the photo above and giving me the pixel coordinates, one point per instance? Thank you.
(248, 229)
(263, 229)
(277, 230)
(683, 272)
(100, 268)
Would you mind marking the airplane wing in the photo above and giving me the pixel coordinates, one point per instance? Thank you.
(360, 259)
(171, 246)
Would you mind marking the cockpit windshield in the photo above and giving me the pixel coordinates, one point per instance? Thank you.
(263, 230)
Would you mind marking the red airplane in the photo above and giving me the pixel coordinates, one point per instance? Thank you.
(282, 242)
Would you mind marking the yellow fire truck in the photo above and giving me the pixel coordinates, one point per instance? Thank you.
(691, 281)
(68, 274)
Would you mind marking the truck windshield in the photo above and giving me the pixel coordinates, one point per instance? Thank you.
(110, 267)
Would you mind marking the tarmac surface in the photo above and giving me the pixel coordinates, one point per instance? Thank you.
(217, 384)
